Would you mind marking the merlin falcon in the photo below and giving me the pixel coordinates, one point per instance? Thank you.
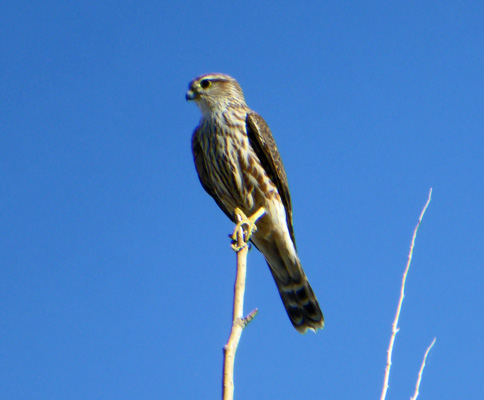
(238, 164)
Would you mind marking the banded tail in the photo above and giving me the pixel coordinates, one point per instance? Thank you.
(297, 295)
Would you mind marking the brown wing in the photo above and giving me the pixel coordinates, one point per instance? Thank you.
(263, 143)
(203, 174)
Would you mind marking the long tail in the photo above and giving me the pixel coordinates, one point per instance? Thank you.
(297, 295)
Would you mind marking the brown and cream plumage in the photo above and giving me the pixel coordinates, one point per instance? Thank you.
(239, 165)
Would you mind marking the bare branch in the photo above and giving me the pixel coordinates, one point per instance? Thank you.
(395, 328)
(241, 237)
(417, 387)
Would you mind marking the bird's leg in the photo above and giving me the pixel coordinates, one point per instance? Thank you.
(248, 225)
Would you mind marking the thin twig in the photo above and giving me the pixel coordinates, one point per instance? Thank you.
(238, 320)
(395, 328)
(417, 386)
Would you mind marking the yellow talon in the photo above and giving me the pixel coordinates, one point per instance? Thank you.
(247, 224)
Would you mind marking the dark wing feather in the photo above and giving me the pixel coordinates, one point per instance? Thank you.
(203, 175)
(261, 140)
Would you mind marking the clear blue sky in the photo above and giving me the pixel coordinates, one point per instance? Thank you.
(115, 268)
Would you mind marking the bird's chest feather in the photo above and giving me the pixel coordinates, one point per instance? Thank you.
(236, 172)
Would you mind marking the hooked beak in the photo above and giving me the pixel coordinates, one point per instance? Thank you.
(191, 95)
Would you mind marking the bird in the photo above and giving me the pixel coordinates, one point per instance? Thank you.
(239, 165)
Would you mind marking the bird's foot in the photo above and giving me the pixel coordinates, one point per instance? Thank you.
(248, 226)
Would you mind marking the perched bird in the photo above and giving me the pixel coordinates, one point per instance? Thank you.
(238, 164)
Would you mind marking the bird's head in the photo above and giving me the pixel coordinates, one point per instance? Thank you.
(215, 92)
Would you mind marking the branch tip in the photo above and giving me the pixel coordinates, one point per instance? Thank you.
(420, 372)
(395, 328)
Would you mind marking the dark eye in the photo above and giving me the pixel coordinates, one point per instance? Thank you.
(205, 83)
